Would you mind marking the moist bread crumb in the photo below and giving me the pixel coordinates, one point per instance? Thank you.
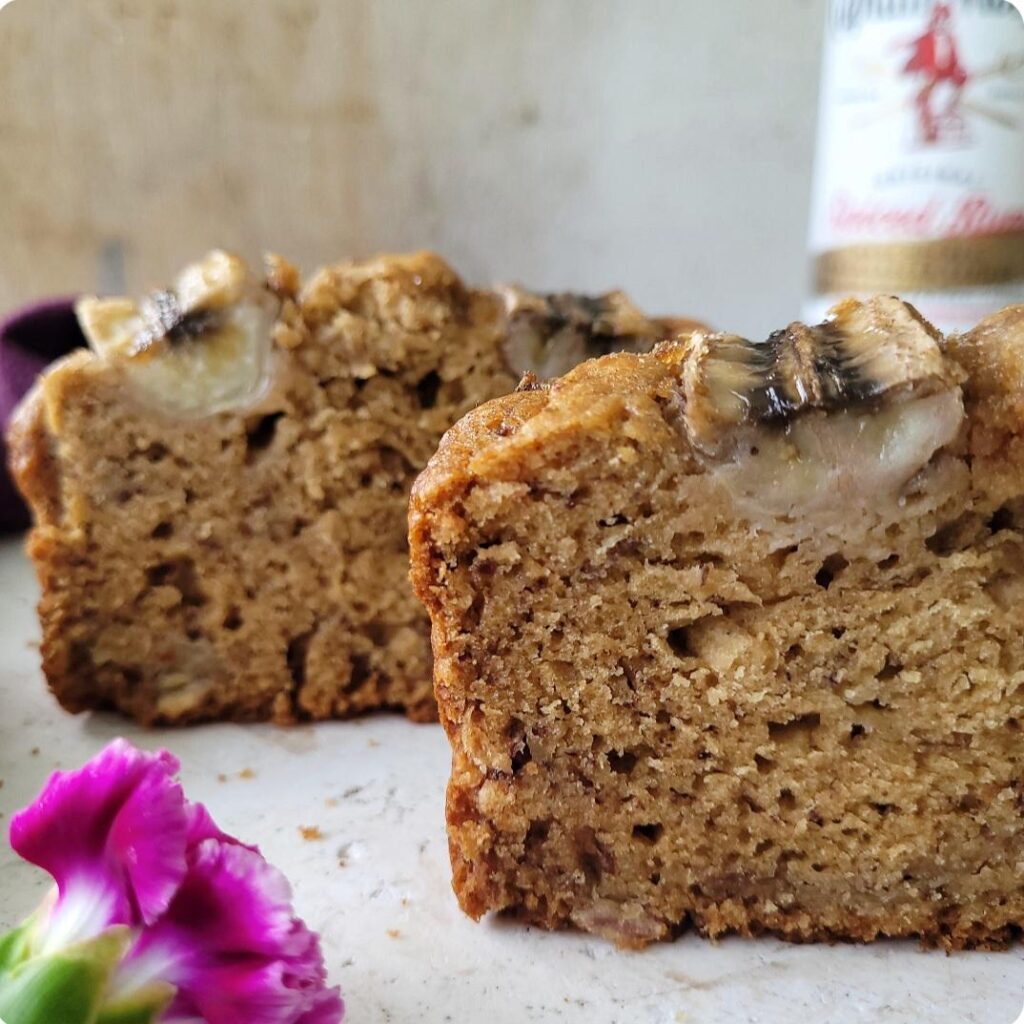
(220, 487)
(729, 636)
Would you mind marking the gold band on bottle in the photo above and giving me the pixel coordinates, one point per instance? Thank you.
(944, 264)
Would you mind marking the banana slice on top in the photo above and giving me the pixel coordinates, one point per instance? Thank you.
(822, 420)
(200, 347)
(550, 334)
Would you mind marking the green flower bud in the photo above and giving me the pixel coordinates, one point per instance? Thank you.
(67, 986)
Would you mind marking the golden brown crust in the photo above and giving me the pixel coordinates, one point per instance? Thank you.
(662, 715)
(31, 459)
(251, 563)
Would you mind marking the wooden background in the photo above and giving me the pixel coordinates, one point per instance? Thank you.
(661, 145)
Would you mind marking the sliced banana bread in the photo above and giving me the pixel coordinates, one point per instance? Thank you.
(220, 487)
(731, 635)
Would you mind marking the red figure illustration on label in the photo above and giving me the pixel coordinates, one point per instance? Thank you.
(935, 59)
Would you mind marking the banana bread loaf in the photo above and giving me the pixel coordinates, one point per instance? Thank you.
(220, 487)
(729, 635)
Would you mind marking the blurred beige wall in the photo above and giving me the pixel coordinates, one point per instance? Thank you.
(659, 145)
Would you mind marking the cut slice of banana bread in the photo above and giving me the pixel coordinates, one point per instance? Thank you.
(220, 488)
(731, 635)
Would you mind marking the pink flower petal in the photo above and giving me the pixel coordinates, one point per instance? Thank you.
(117, 824)
(234, 948)
(328, 1008)
(245, 903)
(201, 826)
(262, 993)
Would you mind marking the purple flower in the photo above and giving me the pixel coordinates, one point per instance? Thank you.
(114, 832)
(209, 919)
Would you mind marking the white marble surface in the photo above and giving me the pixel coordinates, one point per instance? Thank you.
(376, 884)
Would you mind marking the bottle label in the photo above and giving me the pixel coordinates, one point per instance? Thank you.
(919, 183)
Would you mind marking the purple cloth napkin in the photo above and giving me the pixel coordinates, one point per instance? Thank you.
(30, 338)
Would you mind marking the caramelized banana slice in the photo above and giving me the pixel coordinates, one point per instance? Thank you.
(823, 421)
(550, 334)
(862, 352)
(201, 347)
